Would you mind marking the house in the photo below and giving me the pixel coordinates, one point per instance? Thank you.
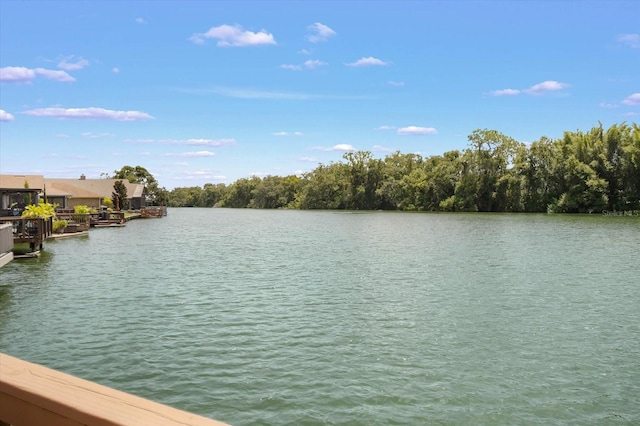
(18, 191)
(68, 193)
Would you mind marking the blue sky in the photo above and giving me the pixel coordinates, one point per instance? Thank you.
(213, 91)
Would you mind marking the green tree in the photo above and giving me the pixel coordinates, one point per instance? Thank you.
(119, 195)
(238, 194)
(212, 194)
(364, 179)
(490, 156)
(325, 187)
(391, 191)
(185, 197)
(155, 194)
(274, 192)
(443, 174)
(137, 174)
(629, 170)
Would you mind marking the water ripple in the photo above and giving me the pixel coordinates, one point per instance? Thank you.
(258, 317)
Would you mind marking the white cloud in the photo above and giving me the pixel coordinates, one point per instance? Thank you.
(319, 32)
(187, 142)
(141, 21)
(202, 142)
(308, 159)
(259, 94)
(395, 83)
(193, 154)
(197, 154)
(115, 70)
(311, 64)
(632, 114)
(54, 75)
(96, 135)
(91, 113)
(340, 147)
(607, 105)
(633, 40)
(305, 51)
(27, 75)
(70, 63)
(244, 93)
(416, 130)
(233, 36)
(287, 134)
(200, 174)
(291, 67)
(632, 100)
(536, 89)
(364, 62)
(385, 128)
(546, 86)
(505, 92)
(5, 116)
(17, 74)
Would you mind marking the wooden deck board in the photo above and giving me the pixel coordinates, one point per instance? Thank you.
(32, 394)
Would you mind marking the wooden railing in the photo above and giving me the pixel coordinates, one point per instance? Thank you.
(30, 230)
(76, 222)
(6, 238)
(106, 218)
(31, 394)
(79, 218)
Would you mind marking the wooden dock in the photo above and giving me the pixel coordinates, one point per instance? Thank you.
(107, 219)
(31, 230)
(34, 231)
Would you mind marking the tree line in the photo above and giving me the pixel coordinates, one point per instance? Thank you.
(581, 172)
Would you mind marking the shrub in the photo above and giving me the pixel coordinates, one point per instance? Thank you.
(43, 210)
(81, 209)
(59, 225)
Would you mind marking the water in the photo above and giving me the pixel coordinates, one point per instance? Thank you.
(290, 317)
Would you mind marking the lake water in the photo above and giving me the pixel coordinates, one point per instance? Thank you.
(305, 317)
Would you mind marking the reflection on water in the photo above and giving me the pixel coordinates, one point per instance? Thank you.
(5, 304)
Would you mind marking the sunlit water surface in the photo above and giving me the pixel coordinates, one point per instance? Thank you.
(298, 317)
